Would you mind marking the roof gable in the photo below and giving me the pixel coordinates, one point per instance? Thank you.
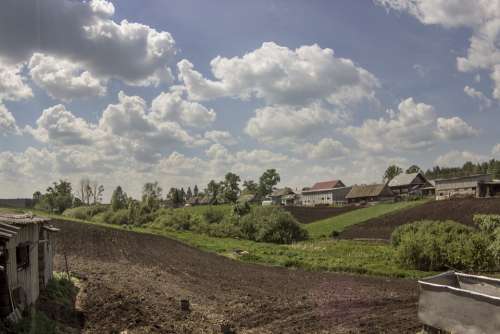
(408, 179)
(327, 185)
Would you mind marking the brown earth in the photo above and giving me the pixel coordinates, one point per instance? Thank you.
(306, 215)
(459, 210)
(134, 282)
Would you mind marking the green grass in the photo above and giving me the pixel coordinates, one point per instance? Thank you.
(358, 257)
(325, 227)
(199, 209)
(371, 258)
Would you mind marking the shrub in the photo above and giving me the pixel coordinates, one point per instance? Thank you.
(212, 215)
(241, 208)
(429, 245)
(176, 219)
(85, 212)
(119, 217)
(487, 223)
(495, 246)
(272, 224)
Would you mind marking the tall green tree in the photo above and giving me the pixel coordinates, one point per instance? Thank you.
(250, 187)
(413, 169)
(391, 172)
(175, 197)
(118, 199)
(59, 196)
(151, 196)
(189, 194)
(37, 196)
(195, 190)
(231, 188)
(269, 179)
(213, 192)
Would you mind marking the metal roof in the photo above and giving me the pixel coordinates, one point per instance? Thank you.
(403, 179)
(21, 219)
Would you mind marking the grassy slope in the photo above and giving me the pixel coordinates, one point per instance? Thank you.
(327, 255)
(324, 228)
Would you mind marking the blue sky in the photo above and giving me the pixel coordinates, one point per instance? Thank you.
(185, 91)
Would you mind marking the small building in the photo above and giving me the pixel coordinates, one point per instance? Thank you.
(413, 184)
(247, 198)
(282, 196)
(478, 186)
(370, 193)
(325, 193)
(27, 249)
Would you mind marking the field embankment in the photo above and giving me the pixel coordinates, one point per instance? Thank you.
(458, 210)
(135, 281)
(324, 228)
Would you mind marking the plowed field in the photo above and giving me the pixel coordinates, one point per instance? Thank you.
(459, 210)
(135, 282)
(306, 215)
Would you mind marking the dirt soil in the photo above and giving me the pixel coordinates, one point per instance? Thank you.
(306, 215)
(459, 210)
(134, 283)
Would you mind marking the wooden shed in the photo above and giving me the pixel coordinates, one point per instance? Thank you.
(370, 193)
(27, 249)
(412, 184)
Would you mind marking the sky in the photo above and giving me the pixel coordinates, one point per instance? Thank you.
(184, 91)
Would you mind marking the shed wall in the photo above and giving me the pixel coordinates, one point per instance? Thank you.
(26, 278)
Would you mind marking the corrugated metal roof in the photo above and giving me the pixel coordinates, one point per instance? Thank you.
(403, 179)
(22, 219)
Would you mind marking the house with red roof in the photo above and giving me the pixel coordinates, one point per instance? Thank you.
(331, 192)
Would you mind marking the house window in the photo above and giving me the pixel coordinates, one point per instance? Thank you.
(23, 256)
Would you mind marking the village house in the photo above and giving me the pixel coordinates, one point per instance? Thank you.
(326, 193)
(370, 193)
(27, 249)
(478, 186)
(283, 196)
(413, 184)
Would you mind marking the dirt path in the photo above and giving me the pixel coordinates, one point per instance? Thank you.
(135, 282)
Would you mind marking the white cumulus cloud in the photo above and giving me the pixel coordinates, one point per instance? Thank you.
(12, 83)
(415, 126)
(171, 106)
(282, 123)
(484, 101)
(454, 128)
(280, 75)
(64, 80)
(84, 34)
(457, 158)
(481, 16)
(8, 123)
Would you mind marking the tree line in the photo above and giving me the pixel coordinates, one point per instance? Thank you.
(61, 195)
(469, 168)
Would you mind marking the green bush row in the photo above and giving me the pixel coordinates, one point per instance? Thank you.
(431, 245)
(264, 224)
(85, 212)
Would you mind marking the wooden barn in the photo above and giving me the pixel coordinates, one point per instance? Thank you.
(413, 184)
(478, 186)
(370, 193)
(27, 249)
